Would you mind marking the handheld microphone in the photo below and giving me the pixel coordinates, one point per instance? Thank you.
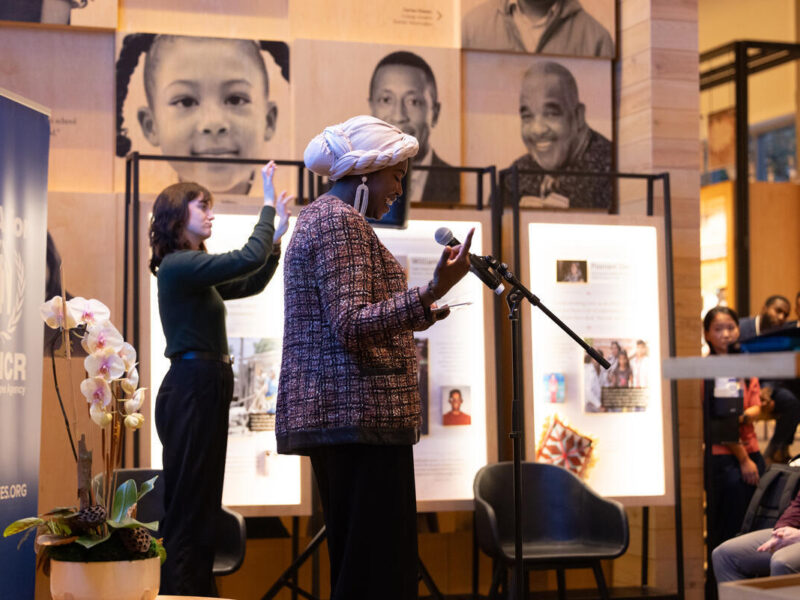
(478, 265)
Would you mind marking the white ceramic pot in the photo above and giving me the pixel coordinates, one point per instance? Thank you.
(113, 580)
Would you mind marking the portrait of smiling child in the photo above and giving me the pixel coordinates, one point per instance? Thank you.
(203, 97)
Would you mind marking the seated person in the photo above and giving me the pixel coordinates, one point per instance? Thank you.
(763, 552)
(773, 315)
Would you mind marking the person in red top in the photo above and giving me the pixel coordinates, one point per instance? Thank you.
(455, 416)
(735, 467)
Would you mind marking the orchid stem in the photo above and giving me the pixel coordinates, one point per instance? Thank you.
(60, 401)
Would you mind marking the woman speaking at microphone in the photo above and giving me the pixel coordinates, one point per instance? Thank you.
(348, 394)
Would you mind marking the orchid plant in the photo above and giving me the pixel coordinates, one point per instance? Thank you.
(104, 521)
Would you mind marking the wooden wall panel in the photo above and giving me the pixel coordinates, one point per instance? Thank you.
(658, 116)
(72, 73)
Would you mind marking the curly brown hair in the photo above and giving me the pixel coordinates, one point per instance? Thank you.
(170, 213)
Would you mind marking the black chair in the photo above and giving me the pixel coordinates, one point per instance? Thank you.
(565, 524)
(230, 531)
(776, 489)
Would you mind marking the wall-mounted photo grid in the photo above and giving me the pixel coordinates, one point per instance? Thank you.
(603, 278)
(454, 372)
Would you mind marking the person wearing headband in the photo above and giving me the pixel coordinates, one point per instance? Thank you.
(348, 395)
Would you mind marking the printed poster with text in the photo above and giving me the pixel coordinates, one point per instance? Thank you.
(452, 368)
(602, 281)
(451, 359)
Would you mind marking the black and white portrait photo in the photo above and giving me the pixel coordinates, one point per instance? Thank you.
(85, 13)
(415, 89)
(559, 113)
(202, 97)
(403, 92)
(562, 27)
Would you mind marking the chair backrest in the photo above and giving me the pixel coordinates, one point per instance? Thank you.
(776, 490)
(557, 506)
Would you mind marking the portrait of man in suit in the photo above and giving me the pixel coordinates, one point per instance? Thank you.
(403, 92)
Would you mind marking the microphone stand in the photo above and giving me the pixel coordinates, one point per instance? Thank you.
(514, 299)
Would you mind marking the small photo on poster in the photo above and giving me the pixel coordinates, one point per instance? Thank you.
(621, 387)
(456, 405)
(571, 271)
(421, 350)
(554, 388)
(256, 366)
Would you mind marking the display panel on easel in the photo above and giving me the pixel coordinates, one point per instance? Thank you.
(455, 358)
(605, 279)
(456, 376)
(258, 481)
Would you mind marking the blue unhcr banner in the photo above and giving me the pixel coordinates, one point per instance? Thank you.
(24, 143)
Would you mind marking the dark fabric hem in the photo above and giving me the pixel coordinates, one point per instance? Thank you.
(300, 442)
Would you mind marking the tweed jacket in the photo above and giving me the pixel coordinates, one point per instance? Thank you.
(349, 372)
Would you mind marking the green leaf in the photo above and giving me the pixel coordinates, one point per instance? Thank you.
(128, 523)
(90, 541)
(124, 498)
(22, 525)
(146, 487)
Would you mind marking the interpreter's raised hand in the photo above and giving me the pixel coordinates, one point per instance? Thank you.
(267, 171)
(452, 266)
(284, 212)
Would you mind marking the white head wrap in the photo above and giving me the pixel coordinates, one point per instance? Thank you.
(360, 145)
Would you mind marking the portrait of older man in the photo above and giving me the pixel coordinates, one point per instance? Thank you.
(538, 26)
(555, 132)
(403, 92)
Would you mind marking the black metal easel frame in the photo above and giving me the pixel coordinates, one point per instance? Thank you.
(306, 180)
(743, 58)
(519, 433)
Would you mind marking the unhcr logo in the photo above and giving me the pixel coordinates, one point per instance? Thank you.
(12, 289)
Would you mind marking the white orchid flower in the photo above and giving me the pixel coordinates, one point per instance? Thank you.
(99, 415)
(131, 382)
(128, 354)
(101, 336)
(104, 363)
(96, 390)
(134, 403)
(54, 315)
(134, 421)
(90, 312)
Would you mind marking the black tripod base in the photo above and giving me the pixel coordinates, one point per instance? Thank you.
(289, 577)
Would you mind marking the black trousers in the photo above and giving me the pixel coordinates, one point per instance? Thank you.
(192, 423)
(369, 501)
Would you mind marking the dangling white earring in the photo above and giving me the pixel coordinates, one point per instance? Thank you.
(362, 197)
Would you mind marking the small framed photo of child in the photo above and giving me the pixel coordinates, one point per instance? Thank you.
(202, 97)
(456, 405)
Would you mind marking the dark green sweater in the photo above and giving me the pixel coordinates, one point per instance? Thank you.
(193, 284)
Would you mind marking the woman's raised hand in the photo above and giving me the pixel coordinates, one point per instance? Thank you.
(267, 171)
(453, 265)
(284, 212)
